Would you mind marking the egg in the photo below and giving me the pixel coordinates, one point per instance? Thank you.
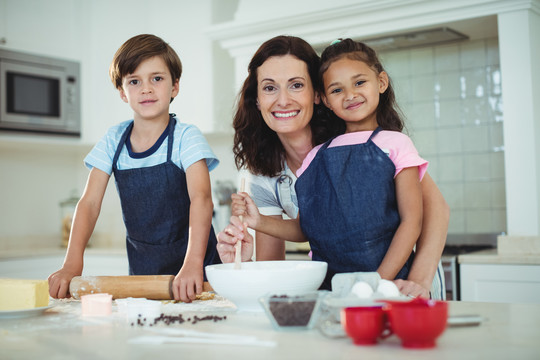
(387, 288)
(362, 290)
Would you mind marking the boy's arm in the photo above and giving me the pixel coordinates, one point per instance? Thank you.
(409, 199)
(189, 281)
(84, 221)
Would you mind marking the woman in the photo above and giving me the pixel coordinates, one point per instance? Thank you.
(278, 120)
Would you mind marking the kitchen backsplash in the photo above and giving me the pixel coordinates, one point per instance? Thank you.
(451, 96)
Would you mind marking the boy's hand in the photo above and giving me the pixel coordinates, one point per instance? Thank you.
(243, 205)
(235, 231)
(59, 281)
(188, 283)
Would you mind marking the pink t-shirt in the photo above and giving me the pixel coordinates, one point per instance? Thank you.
(396, 145)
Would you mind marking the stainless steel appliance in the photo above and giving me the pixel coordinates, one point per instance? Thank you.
(39, 94)
(457, 245)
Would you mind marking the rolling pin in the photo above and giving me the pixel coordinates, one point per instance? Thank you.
(153, 287)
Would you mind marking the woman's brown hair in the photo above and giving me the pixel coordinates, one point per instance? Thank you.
(256, 146)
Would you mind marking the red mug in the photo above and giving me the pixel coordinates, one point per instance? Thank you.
(365, 324)
(418, 323)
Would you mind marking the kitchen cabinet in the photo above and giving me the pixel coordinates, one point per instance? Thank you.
(503, 275)
(500, 283)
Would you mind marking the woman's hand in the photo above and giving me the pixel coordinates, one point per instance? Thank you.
(235, 231)
(411, 289)
(243, 205)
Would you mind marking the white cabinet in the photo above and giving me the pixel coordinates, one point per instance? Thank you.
(500, 282)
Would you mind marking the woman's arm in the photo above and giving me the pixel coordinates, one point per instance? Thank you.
(430, 244)
(84, 221)
(409, 201)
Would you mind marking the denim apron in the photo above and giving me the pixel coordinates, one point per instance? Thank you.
(348, 208)
(155, 206)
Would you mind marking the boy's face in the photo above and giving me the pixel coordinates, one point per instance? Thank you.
(149, 89)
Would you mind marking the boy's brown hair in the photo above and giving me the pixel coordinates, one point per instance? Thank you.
(140, 48)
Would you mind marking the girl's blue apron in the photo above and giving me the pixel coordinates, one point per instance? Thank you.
(348, 209)
(155, 206)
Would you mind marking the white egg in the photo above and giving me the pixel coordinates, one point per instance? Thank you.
(362, 290)
(387, 288)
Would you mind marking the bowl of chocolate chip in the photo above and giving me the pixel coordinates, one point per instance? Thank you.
(253, 280)
(290, 312)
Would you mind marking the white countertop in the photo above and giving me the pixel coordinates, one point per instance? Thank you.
(492, 256)
(510, 331)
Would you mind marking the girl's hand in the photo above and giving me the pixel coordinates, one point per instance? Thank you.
(235, 231)
(410, 288)
(188, 283)
(243, 205)
(59, 281)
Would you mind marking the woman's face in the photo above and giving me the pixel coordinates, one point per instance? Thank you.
(285, 94)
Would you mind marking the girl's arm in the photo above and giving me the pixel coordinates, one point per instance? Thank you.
(189, 280)
(84, 221)
(272, 226)
(409, 199)
(430, 245)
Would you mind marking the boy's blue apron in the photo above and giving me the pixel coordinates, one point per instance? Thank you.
(348, 209)
(155, 206)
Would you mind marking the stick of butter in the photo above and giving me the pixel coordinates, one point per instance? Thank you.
(17, 294)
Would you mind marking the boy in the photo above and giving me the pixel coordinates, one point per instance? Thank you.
(161, 168)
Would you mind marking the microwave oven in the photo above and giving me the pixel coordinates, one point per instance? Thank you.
(39, 94)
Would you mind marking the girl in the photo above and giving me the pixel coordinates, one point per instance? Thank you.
(359, 194)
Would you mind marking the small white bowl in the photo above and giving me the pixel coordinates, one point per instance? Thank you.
(255, 279)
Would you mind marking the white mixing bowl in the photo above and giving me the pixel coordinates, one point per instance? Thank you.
(245, 286)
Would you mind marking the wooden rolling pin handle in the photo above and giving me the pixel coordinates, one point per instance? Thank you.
(153, 287)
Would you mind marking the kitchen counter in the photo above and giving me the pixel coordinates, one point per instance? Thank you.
(492, 256)
(509, 331)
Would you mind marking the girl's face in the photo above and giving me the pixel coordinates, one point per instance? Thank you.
(149, 89)
(351, 91)
(285, 94)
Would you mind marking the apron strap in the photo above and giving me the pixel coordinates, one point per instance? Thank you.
(121, 145)
(375, 132)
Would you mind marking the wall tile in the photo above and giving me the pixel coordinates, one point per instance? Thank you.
(476, 139)
(422, 61)
(477, 167)
(451, 168)
(453, 194)
(475, 111)
(457, 222)
(450, 113)
(448, 85)
(447, 58)
(420, 115)
(478, 221)
(478, 194)
(498, 194)
(473, 54)
(425, 142)
(450, 140)
(423, 87)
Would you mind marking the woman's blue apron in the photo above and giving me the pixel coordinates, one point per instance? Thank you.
(348, 209)
(155, 206)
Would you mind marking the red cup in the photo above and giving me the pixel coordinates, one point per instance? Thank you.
(418, 323)
(364, 324)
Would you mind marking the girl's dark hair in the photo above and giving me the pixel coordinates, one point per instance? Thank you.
(389, 116)
(256, 146)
